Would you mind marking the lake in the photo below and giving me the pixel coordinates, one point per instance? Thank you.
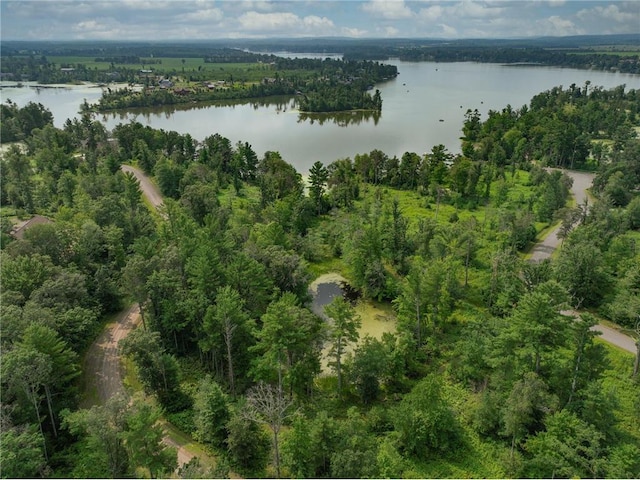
(424, 106)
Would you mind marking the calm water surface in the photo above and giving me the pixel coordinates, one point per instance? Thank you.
(424, 106)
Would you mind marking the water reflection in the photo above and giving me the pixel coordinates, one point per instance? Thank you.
(278, 103)
(342, 119)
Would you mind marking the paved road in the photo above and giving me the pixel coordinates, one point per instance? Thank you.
(581, 183)
(616, 338)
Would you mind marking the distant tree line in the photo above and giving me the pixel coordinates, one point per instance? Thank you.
(128, 60)
(571, 58)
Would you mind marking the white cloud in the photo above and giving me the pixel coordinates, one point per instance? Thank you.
(353, 32)
(390, 31)
(315, 22)
(431, 13)
(557, 26)
(88, 25)
(388, 9)
(268, 21)
(260, 5)
(620, 17)
(448, 30)
(285, 23)
(205, 15)
(249, 5)
(103, 29)
(463, 11)
(138, 4)
(612, 12)
(474, 9)
(186, 19)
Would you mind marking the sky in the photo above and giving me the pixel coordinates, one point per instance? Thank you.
(158, 20)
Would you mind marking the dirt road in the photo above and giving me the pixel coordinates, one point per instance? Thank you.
(149, 190)
(582, 181)
(104, 372)
(103, 360)
(184, 455)
(102, 364)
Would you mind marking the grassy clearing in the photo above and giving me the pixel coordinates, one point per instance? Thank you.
(158, 64)
(248, 197)
(327, 266)
(9, 212)
(618, 379)
(416, 206)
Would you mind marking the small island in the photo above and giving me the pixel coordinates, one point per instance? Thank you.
(319, 85)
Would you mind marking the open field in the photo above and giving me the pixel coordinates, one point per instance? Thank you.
(248, 72)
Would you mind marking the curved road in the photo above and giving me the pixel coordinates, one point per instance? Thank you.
(102, 358)
(581, 183)
(102, 364)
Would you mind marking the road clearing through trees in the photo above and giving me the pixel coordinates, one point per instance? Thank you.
(582, 181)
(102, 364)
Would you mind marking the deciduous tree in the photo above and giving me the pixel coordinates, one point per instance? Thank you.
(266, 404)
(424, 420)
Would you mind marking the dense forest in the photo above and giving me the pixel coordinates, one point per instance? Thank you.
(601, 52)
(570, 58)
(482, 374)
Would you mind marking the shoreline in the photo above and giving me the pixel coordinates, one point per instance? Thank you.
(62, 86)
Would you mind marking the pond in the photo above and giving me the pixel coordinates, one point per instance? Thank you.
(377, 319)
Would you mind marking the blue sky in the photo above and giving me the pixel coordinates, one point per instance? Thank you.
(205, 19)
